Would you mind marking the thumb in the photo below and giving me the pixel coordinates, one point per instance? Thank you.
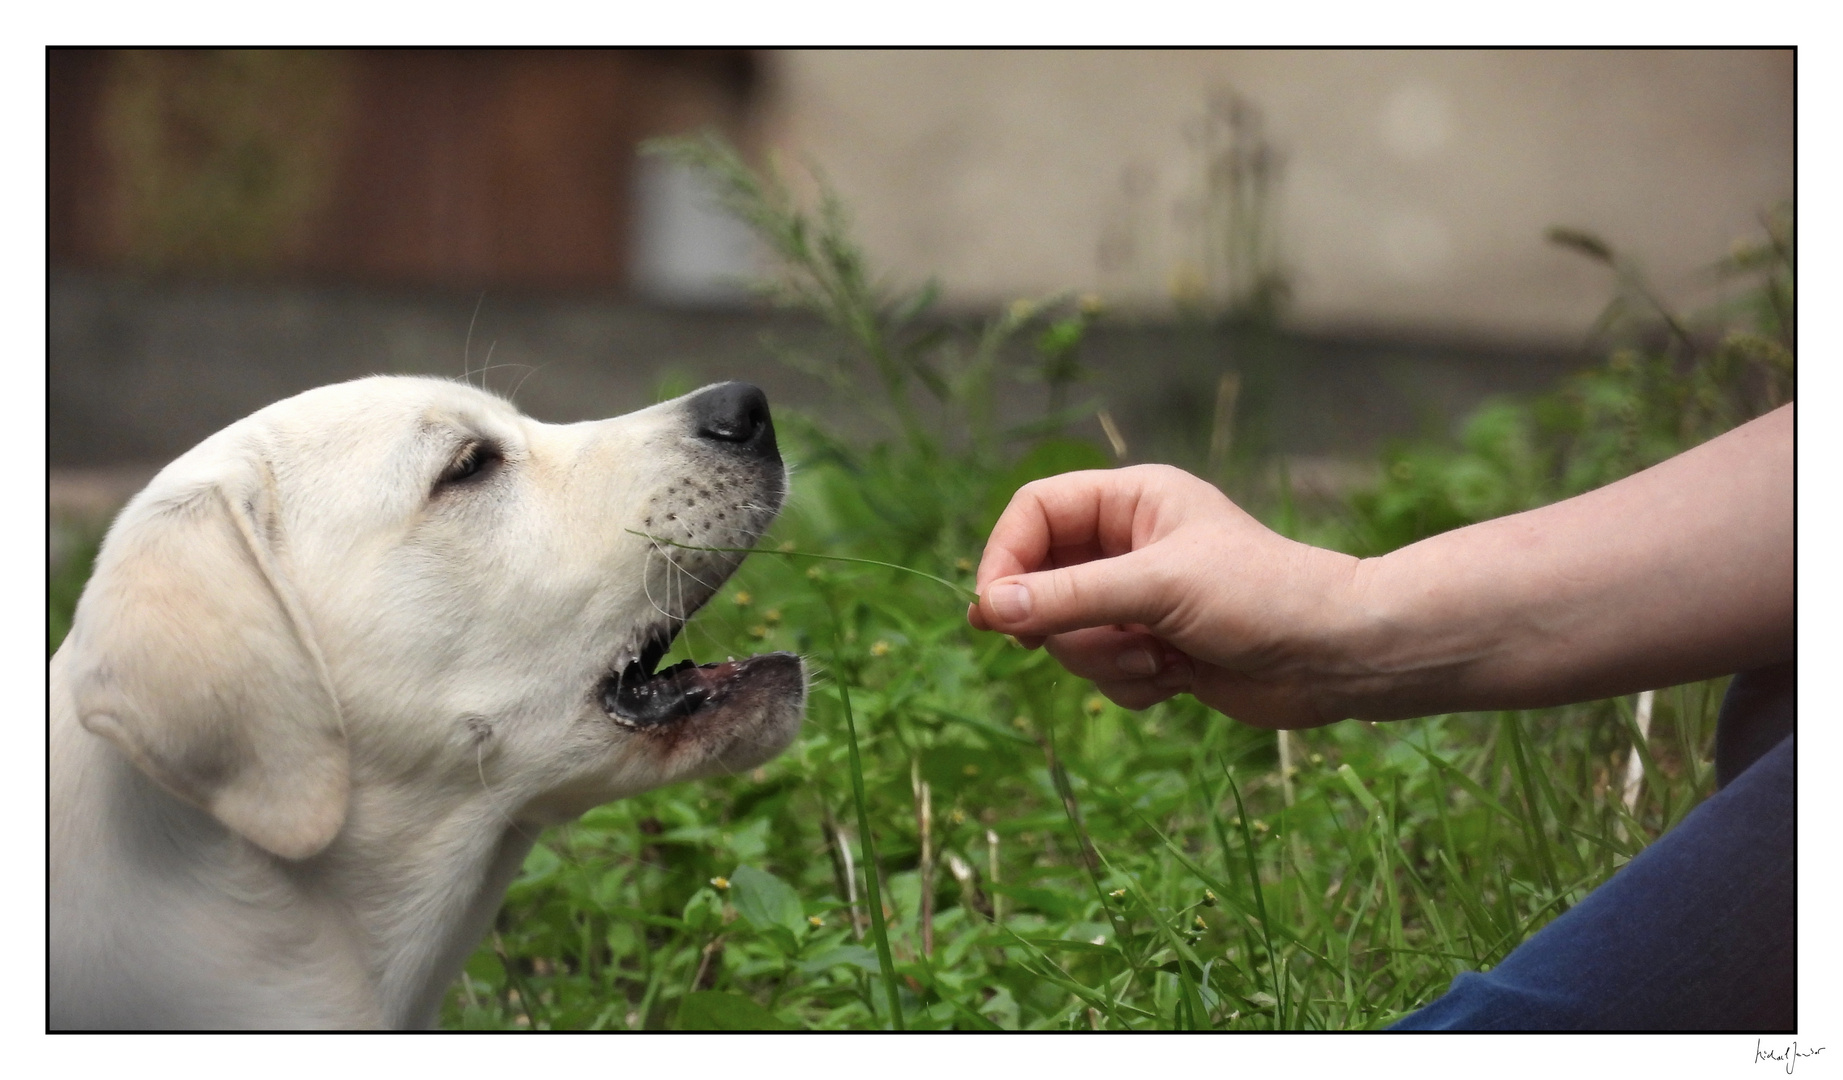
(1099, 593)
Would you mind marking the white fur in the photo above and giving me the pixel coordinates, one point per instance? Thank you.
(314, 707)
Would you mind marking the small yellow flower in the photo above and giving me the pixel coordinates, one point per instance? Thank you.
(881, 648)
(958, 817)
(758, 632)
(970, 769)
(1022, 723)
(721, 884)
(743, 599)
(1259, 825)
(1099, 939)
(772, 615)
(1201, 925)
(815, 921)
(1118, 894)
(963, 564)
(786, 546)
(1318, 759)
(812, 573)
(1095, 704)
(1209, 898)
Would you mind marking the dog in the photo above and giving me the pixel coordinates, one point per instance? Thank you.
(340, 663)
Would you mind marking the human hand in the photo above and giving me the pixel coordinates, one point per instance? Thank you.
(1150, 582)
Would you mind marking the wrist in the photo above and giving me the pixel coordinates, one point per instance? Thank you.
(1371, 664)
(1329, 660)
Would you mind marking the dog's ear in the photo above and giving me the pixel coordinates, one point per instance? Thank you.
(193, 657)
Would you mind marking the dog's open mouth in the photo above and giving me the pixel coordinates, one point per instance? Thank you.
(640, 696)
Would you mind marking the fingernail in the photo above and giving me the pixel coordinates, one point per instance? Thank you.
(1176, 675)
(1009, 602)
(1138, 662)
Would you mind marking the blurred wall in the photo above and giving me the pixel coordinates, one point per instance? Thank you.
(455, 167)
(1406, 190)
(231, 226)
(1375, 190)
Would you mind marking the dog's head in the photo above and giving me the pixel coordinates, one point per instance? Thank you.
(404, 585)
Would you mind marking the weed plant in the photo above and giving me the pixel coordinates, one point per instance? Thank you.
(967, 837)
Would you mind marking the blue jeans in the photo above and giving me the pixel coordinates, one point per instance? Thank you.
(1697, 933)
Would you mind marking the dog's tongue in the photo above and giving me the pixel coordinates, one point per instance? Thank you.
(674, 693)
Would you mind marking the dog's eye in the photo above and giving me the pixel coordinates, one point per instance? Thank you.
(477, 459)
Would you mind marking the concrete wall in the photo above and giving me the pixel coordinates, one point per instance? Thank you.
(140, 371)
(1414, 186)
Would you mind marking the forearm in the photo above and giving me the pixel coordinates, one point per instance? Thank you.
(1681, 572)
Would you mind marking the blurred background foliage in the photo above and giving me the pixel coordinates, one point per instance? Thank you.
(1668, 382)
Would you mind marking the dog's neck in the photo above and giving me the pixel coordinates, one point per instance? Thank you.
(424, 879)
(161, 917)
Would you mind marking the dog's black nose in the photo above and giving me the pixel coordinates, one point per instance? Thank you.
(735, 413)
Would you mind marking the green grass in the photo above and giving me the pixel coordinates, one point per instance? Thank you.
(1029, 856)
(1150, 871)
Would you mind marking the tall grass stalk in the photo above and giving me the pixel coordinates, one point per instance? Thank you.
(878, 930)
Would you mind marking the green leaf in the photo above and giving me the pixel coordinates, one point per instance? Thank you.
(1061, 337)
(1351, 781)
(714, 1010)
(853, 955)
(767, 901)
(704, 911)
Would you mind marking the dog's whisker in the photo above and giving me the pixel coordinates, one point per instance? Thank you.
(468, 344)
(646, 585)
(676, 565)
(533, 369)
(493, 799)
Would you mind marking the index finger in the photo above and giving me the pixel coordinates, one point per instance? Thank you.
(1091, 512)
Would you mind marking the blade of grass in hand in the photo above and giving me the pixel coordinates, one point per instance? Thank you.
(961, 591)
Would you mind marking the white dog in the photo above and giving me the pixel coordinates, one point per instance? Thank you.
(337, 667)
